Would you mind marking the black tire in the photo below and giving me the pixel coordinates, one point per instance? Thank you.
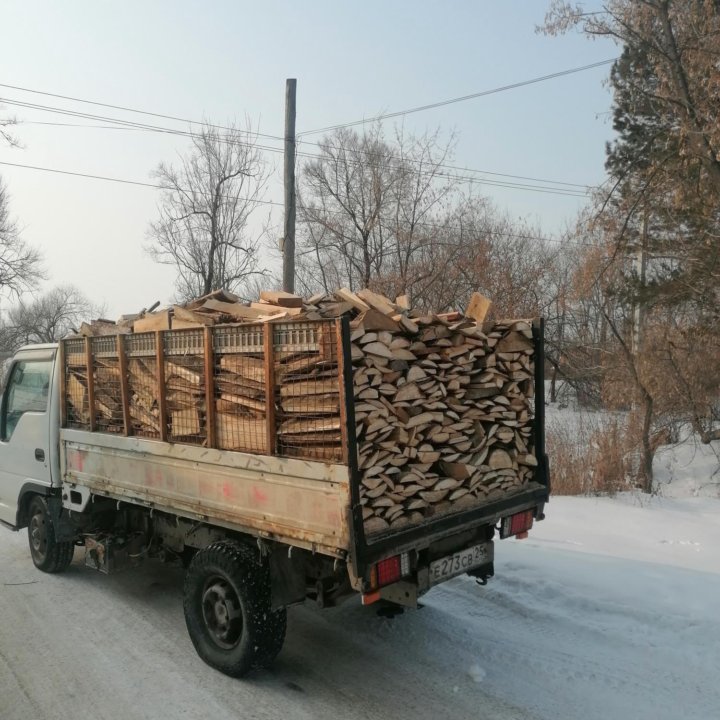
(227, 609)
(47, 554)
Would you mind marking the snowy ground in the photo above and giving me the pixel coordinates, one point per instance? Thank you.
(608, 610)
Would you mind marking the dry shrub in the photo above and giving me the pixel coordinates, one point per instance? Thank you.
(591, 455)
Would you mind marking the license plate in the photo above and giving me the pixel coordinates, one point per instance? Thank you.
(459, 563)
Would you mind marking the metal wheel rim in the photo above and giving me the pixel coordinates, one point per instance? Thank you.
(221, 612)
(38, 534)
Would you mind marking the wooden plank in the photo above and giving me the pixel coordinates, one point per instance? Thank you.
(210, 390)
(191, 377)
(349, 296)
(342, 396)
(311, 425)
(185, 422)
(239, 432)
(144, 417)
(271, 429)
(222, 295)
(76, 397)
(90, 383)
(124, 391)
(478, 308)
(284, 299)
(153, 321)
(269, 309)
(328, 403)
(302, 388)
(249, 367)
(378, 302)
(160, 372)
(241, 312)
(101, 327)
(182, 317)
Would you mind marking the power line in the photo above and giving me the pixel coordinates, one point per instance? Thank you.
(119, 123)
(463, 98)
(131, 125)
(135, 110)
(459, 167)
(125, 123)
(155, 186)
(173, 131)
(122, 181)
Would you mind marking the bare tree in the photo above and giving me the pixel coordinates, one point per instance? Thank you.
(6, 122)
(209, 198)
(47, 318)
(369, 208)
(20, 264)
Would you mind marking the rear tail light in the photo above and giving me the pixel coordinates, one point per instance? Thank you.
(390, 570)
(517, 524)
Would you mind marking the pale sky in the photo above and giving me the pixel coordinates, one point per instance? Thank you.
(226, 60)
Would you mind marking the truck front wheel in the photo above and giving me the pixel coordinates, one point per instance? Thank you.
(228, 612)
(47, 553)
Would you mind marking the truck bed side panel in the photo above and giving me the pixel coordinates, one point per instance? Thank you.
(303, 502)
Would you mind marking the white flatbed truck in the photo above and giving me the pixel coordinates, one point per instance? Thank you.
(256, 532)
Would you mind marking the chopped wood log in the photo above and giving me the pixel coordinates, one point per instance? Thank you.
(372, 319)
(478, 308)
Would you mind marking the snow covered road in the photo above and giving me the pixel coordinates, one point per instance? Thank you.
(577, 625)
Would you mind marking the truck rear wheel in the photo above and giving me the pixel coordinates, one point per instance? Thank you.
(228, 612)
(47, 554)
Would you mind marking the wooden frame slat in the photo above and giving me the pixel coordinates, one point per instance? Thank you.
(124, 389)
(90, 383)
(341, 389)
(160, 374)
(63, 384)
(269, 358)
(210, 423)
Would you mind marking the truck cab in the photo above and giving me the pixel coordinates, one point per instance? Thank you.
(29, 425)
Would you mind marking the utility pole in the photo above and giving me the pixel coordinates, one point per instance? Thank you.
(289, 177)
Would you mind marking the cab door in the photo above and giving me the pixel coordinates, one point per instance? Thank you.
(25, 429)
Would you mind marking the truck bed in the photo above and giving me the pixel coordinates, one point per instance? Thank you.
(300, 466)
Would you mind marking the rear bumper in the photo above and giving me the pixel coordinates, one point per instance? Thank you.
(424, 535)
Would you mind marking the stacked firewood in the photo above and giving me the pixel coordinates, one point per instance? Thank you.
(442, 402)
(443, 408)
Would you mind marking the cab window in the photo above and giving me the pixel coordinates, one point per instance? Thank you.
(26, 391)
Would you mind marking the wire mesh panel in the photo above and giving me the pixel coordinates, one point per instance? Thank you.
(76, 385)
(272, 388)
(106, 374)
(241, 416)
(143, 388)
(185, 386)
(308, 383)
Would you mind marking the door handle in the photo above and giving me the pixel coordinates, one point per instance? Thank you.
(39, 454)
